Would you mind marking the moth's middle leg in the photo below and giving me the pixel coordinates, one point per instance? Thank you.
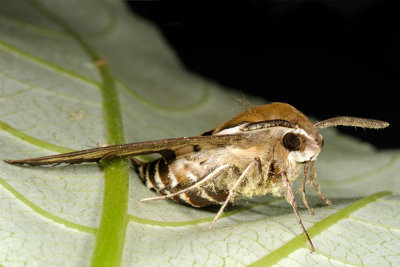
(232, 192)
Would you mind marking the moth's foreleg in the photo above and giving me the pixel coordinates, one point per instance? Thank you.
(214, 174)
(313, 181)
(303, 188)
(232, 192)
(292, 201)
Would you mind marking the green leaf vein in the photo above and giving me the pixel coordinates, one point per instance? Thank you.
(110, 236)
(44, 63)
(379, 169)
(300, 240)
(44, 213)
(33, 141)
(141, 220)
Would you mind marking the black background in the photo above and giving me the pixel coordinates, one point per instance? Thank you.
(326, 58)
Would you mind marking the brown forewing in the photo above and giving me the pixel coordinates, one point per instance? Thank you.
(132, 149)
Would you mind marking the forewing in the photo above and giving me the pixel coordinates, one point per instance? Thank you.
(131, 149)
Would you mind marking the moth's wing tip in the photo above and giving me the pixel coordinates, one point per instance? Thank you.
(27, 162)
(9, 161)
(15, 162)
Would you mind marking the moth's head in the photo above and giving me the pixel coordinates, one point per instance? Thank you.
(304, 144)
(301, 139)
(297, 134)
(301, 145)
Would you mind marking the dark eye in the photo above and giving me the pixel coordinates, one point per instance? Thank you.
(291, 141)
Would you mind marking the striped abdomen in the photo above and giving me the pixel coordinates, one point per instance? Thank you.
(179, 174)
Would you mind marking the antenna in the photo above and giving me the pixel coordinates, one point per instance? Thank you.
(352, 121)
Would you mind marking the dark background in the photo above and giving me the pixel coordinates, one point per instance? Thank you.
(326, 58)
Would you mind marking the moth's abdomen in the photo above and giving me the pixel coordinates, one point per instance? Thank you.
(159, 176)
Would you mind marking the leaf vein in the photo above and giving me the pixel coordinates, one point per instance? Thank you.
(375, 224)
(31, 140)
(357, 178)
(45, 214)
(300, 240)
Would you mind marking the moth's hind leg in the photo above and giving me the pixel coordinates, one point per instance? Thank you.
(232, 192)
(313, 181)
(218, 171)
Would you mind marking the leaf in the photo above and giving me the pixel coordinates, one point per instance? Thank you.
(72, 81)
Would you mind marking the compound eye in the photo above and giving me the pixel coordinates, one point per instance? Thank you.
(291, 141)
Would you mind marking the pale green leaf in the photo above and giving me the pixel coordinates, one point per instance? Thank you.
(80, 74)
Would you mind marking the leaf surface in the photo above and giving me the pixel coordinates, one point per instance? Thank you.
(70, 81)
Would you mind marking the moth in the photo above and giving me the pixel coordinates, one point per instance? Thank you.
(260, 151)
